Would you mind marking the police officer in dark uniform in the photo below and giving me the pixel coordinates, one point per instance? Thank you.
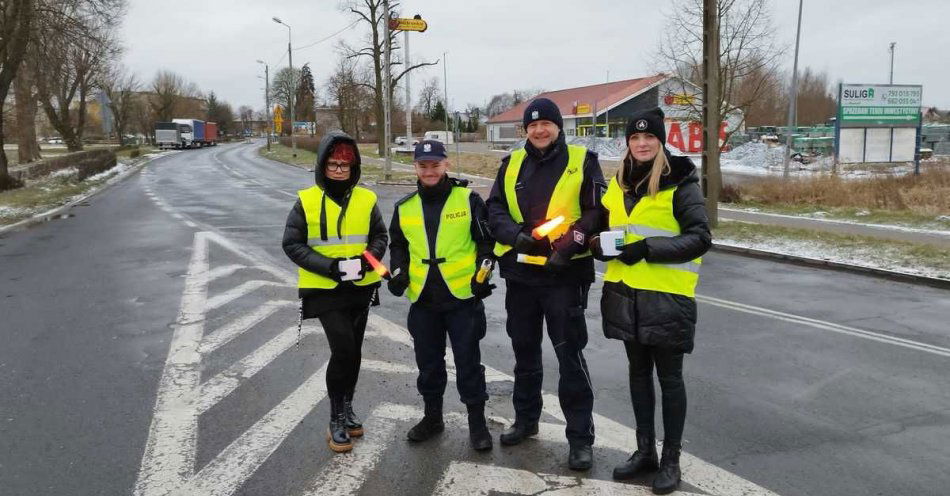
(546, 180)
(439, 240)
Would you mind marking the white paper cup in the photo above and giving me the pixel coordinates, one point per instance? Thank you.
(611, 242)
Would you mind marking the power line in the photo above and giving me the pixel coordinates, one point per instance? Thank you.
(328, 37)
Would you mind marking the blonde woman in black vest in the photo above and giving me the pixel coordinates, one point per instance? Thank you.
(655, 231)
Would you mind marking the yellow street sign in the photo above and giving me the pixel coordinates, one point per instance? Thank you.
(278, 126)
(582, 108)
(278, 113)
(404, 24)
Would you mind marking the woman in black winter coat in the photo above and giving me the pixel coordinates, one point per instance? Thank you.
(648, 296)
(341, 305)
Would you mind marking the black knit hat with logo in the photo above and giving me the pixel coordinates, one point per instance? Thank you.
(542, 109)
(647, 121)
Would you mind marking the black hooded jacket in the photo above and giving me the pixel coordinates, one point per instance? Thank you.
(539, 175)
(346, 294)
(652, 317)
(435, 293)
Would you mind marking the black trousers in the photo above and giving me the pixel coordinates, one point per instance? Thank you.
(465, 326)
(562, 307)
(344, 328)
(669, 370)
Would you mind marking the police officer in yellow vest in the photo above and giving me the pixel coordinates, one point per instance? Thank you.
(545, 180)
(655, 209)
(440, 239)
(327, 230)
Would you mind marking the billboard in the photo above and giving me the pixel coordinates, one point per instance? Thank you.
(877, 123)
(879, 105)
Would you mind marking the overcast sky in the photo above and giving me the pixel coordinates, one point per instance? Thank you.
(498, 45)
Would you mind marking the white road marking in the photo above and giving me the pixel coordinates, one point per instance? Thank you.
(345, 474)
(242, 324)
(225, 270)
(821, 324)
(169, 457)
(238, 462)
(701, 474)
(223, 384)
(235, 293)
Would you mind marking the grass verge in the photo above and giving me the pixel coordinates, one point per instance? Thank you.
(47, 193)
(477, 164)
(370, 171)
(912, 258)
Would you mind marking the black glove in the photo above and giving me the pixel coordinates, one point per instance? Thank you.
(365, 267)
(598, 251)
(398, 284)
(633, 253)
(525, 243)
(333, 270)
(557, 263)
(482, 290)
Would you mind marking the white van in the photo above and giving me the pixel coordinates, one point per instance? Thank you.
(445, 138)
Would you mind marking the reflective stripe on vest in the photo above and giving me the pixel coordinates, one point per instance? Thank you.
(565, 200)
(652, 216)
(455, 250)
(349, 242)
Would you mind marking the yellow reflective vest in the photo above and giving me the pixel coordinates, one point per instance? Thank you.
(651, 216)
(349, 241)
(566, 199)
(455, 250)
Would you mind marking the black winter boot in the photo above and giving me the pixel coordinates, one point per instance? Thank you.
(337, 437)
(668, 478)
(430, 425)
(478, 435)
(580, 457)
(519, 431)
(354, 426)
(642, 461)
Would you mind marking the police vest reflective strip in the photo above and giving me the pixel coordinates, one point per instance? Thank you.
(350, 241)
(566, 199)
(652, 216)
(455, 250)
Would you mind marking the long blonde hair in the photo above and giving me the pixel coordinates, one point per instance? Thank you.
(659, 168)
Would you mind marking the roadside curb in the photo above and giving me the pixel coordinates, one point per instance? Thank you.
(60, 210)
(935, 282)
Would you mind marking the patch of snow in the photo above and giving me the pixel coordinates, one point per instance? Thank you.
(14, 211)
(67, 172)
(877, 257)
(862, 213)
(893, 227)
(118, 169)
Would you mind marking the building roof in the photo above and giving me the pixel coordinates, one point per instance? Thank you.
(601, 96)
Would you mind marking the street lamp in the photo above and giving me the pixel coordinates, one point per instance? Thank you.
(266, 100)
(290, 60)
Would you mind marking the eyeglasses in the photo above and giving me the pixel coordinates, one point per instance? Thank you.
(338, 167)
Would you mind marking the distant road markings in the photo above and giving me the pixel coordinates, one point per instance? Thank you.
(821, 324)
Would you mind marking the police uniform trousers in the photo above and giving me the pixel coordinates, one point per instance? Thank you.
(562, 307)
(465, 325)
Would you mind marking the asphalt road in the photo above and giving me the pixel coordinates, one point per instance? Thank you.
(150, 347)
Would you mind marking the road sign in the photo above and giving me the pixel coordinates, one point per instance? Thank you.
(879, 105)
(278, 119)
(582, 108)
(404, 24)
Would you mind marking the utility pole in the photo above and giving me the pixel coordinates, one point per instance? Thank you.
(793, 97)
(607, 107)
(892, 62)
(458, 153)
(445, 92)
(387, 94)
(266, 100)
(408, 94)
(290, 60)
(711, 118)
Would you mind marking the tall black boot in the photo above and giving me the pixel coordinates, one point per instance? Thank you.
(643, 460)
(354, 426)
(668, 478)
(478, 435)
(431, 424)
(337, 437)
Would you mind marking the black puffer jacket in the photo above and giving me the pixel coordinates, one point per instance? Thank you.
(317, 301)
(651, 317)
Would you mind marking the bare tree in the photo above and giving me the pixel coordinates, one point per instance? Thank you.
(370, 13)
(282, 88)
(75, 45)
(173, 96)
(246, 115)
(121, 88)
(347, 89)
(16, 18)
(747, 50)
(28, 149)
(815, 102)
(428, 95)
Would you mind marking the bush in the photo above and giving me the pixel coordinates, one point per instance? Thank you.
(135, 153)
(303, 142)
(9, 182)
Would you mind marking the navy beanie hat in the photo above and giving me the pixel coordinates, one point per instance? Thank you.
(647, 121)
(542, 109)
